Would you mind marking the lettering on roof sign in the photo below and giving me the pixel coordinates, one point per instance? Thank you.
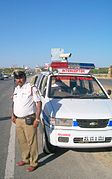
(69, 70)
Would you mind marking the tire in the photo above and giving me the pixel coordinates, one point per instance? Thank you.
(47, 147)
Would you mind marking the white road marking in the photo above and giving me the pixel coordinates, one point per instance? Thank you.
(10, 163)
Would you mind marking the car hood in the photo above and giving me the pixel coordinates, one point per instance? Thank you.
(81, 109)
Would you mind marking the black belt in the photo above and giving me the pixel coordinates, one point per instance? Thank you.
(31, 115)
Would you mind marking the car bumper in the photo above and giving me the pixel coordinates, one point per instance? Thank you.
(80, 139)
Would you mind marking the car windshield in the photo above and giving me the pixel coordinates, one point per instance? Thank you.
(85, 87)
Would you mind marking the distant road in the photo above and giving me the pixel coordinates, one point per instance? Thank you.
(6, 88)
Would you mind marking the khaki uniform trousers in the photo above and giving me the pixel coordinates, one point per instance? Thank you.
(27, 138)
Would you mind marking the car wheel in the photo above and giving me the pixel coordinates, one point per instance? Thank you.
(47, 147)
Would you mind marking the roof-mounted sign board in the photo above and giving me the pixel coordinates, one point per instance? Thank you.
(55, 53)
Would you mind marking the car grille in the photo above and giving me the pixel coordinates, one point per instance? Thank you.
(98, 123)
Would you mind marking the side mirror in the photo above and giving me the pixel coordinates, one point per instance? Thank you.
(109, 92)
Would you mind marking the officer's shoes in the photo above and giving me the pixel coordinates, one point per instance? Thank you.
(31, 169)
(21, 163)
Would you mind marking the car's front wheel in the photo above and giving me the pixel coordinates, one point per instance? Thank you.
(47, 147)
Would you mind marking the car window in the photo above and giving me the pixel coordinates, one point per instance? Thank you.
(43, 85)
(75, 87)
(38, 81)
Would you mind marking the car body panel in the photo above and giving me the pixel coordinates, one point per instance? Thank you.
(83, 108)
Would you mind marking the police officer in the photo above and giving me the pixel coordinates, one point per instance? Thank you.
(26, 116)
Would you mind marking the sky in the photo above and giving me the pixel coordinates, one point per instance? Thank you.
(29, 29)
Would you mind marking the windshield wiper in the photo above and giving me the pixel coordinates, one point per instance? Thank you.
(92, 97)
(65, 97)
(72, 96)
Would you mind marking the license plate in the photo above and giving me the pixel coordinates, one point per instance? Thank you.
(93, 138)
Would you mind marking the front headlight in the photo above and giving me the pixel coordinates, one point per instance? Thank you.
(61, 122)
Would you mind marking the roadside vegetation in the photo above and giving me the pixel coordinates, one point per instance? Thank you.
(9, 71)
(99, 71)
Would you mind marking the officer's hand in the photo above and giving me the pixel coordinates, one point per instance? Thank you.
(13, 119)
(36, 122)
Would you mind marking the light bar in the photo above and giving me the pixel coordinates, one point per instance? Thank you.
(58, 64)
(81, 65)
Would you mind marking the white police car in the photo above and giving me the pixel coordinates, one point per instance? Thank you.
(76, 109)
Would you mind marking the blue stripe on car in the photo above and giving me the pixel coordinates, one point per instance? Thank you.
(45, 117)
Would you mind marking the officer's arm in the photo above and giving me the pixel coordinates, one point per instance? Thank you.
(38, 110)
